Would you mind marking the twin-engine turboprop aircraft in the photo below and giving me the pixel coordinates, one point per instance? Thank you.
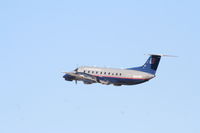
(117, 77)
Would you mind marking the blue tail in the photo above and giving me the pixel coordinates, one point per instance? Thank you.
(150, 66)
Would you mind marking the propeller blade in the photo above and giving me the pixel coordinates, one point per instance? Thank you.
(76, 70)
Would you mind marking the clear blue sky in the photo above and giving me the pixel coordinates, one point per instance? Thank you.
(40, 39)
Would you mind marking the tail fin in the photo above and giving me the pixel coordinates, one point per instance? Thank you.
(150, 66)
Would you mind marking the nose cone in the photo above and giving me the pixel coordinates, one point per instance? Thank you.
(65, 76)
(68, 77)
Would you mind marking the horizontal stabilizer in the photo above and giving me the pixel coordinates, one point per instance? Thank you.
(161, 55)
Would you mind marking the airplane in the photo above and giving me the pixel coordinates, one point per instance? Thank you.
(116, 77)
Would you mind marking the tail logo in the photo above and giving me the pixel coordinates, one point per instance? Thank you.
(152, 61)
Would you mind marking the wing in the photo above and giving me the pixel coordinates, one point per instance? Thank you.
(86, 78)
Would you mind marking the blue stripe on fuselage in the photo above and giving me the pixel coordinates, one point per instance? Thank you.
(122, 80)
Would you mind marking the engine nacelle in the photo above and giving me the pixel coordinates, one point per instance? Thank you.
(68, 77)
(105, 82)
(88, 83)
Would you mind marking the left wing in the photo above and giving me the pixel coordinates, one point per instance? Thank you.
(86, 78)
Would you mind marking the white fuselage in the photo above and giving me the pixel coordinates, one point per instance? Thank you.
(117, 77)
(116, 73)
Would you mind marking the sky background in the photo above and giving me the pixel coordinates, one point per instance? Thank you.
(41, 39)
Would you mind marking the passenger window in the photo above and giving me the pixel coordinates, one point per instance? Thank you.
(120, 74)
(84, 71)
(112, 73)
(96, 72)
(88, 71)
(116, 74)
(109, 73)
(101, 73)
(105, 73)
(92, 71)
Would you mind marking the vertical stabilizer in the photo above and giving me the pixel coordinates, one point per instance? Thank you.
(150, 66)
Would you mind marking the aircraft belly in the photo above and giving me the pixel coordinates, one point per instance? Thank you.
(132, 81)
(124, 81)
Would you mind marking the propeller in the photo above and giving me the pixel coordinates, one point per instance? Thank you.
(76, 71)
